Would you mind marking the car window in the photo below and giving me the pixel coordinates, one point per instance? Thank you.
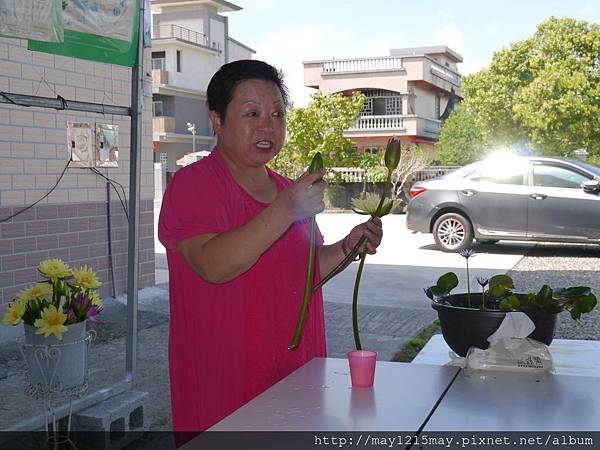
(554, 176)
(500, 174)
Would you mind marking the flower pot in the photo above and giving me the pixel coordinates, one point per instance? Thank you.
(57, 365)
(362, 367)
(464, 327)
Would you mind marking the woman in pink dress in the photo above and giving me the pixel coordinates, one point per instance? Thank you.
(237, 237)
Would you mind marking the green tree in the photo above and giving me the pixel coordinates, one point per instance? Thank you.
(545, 90)
(319, 128)
(462, 138)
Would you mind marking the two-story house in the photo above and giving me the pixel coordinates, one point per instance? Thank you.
(190, 41)
(407, 92)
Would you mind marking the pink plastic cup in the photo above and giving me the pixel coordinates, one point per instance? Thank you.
(362, 367)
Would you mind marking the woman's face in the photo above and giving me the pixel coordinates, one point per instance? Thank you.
(254, 127)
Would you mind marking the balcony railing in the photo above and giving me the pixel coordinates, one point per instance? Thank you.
(362, 64)
(171, 31)
(356, 175)
(377, 123)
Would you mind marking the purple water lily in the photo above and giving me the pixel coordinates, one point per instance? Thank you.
(466, 253)
(483, 282)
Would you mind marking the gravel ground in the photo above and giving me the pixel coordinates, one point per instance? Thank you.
(561, 265)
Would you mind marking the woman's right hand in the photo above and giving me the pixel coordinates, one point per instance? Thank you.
(303, 198)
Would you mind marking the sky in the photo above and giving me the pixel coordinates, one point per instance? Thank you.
(285, 33)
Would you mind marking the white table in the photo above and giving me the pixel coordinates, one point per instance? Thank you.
(567, 399)
(319, 396)
(417, 398)
(569, 356)
(509, 401)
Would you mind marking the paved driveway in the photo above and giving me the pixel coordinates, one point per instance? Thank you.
(407, 262)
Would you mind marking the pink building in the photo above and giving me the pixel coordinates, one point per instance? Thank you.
(407, 92)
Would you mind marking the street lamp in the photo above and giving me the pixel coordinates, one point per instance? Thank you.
(191, 127)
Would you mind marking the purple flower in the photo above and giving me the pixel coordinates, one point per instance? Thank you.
(483, 281)
(70, 313)
(93, 313)
(81, 301)
(428, 293)
(466, 253)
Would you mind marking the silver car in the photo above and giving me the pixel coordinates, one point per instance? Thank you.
(514, 198)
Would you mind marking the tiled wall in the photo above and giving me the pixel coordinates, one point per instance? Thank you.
(71, 222)
(77, 233)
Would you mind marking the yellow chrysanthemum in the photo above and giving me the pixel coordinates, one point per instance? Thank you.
(54, 269)
(52, 322)
(85, 277)
(14, 312)
(95, 299)
(40, 290)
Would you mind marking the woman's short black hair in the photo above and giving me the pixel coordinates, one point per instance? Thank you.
(223, 83)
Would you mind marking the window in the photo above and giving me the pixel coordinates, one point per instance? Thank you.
(368, 107)
(157, 108)
(393, 106)
(554, 176)
(164, 160)
(178, 60)
(379, 106)
(373, 150)
(437, 108)
(159, 60)
(502, 174)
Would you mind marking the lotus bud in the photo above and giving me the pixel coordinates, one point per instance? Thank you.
(316, 164)
(392, 154)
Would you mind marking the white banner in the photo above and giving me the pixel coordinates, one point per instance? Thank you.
(32, 19)
(108, 18)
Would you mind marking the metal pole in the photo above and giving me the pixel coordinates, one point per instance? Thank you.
(194, 140)
(135, 164)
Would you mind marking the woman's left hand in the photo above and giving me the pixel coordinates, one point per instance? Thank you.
(372, 230)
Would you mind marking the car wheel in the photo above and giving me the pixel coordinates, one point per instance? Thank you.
(452, 232)
(487, 241)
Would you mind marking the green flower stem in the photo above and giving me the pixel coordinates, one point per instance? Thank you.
(355, 302)
(386, 188)
(342, 265)
(482, 297)
(354, 252)
(468, 285)
(307, 286)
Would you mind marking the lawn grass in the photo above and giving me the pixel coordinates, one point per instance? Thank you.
(414, 345)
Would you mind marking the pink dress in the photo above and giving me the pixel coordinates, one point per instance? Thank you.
(228, 342)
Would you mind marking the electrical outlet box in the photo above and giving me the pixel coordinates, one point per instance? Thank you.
(79, 144)
(107, 147)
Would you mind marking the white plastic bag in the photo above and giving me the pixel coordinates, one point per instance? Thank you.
(510, 349)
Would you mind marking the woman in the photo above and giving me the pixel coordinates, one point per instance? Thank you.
(237, 235)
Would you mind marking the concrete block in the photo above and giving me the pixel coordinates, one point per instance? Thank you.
(114, 417)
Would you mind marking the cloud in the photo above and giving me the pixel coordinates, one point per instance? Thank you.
(287, 49)
(449, 35)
